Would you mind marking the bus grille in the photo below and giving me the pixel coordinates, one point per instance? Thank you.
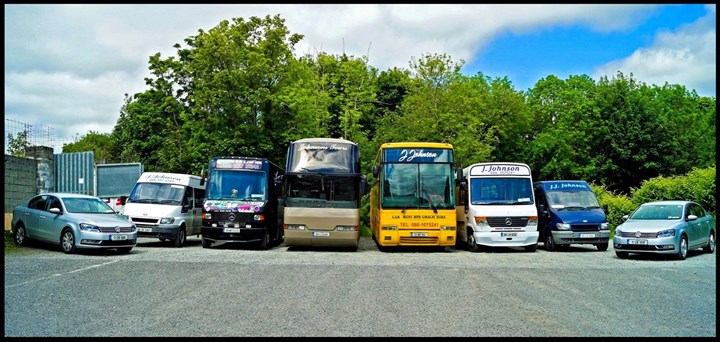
(419, 240)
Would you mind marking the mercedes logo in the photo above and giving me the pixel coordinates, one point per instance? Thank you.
(508, 221)
(638, 234)
(117, 229)
(231, 217)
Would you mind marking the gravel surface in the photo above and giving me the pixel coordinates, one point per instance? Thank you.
(236, 290)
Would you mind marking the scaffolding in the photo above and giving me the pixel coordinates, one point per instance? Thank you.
(37, 135)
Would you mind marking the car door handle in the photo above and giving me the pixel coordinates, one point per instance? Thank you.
(42, 217)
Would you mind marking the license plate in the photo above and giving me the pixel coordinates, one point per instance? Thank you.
(418, 234)
(587, 235)
(321, 234)
(118, 237)
(637, 242)
(231, 230)
(508, 234)
(145, 230)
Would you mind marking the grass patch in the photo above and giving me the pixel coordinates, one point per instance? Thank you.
(10, 245)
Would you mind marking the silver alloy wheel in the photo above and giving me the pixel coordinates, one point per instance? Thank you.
(683, 248)
(68, 241)
(20, 235)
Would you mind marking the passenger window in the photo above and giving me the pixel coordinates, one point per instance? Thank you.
(38, 202)
(54, 202)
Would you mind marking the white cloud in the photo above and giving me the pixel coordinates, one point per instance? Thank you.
(686, 56)
(69, 66)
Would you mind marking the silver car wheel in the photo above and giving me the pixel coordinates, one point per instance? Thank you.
(20, 235)
(683, 248)
(67, 241)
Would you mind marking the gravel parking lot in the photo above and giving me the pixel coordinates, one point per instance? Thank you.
(236, 290)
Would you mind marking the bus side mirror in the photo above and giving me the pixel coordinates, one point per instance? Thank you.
(363, 185)
(202, 177)
(375, 170)
(463, 185)
(458, 175)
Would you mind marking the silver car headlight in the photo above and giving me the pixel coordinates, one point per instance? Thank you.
(89, 227)
(666, 233)
(618, 231)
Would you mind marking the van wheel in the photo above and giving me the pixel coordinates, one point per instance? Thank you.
(471, 243)
(602, 246)
(549, 241)
(180, 238)
(265, 242)
(206, 243)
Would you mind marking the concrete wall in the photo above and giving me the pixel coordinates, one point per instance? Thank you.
(20, 180)
(27, 177)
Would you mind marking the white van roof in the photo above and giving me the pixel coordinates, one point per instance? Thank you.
(171, 178)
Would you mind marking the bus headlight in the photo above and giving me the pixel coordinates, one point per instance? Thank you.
(259, 217)
(389, 228)
(347, 228)
(447, 228)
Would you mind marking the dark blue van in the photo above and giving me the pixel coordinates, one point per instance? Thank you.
(569, 213)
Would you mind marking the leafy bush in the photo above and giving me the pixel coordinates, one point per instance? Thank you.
(698, 186)
(617, 205)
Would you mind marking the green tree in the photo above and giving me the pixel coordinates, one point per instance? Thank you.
(99, 143)
(17, 145)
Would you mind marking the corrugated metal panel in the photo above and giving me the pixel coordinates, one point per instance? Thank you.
(75, 172)
(115, 180)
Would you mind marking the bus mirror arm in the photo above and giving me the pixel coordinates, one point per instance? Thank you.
(375, 170)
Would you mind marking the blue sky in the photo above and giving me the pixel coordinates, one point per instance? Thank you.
(68, 67)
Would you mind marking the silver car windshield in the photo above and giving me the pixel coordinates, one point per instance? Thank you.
(86, 206)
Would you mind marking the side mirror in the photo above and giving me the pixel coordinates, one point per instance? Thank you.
(375, 170)
(542, 210)
(59, 212)
(463, 185)
(458, 175)
(363, 185)
(202, 177)
(625, 217)
(692, 217)
(186, 207)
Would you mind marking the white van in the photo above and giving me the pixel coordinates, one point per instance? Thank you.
(167, 206)
(496, 207)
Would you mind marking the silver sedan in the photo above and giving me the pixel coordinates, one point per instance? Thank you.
(665, 227)
(73, 221)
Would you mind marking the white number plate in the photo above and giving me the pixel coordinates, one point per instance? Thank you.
(587, 236)
(508, 234)
(637, 242)
(145, 230)
(418, 234)
(231, 230)
(321, 234)
(118, 237)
